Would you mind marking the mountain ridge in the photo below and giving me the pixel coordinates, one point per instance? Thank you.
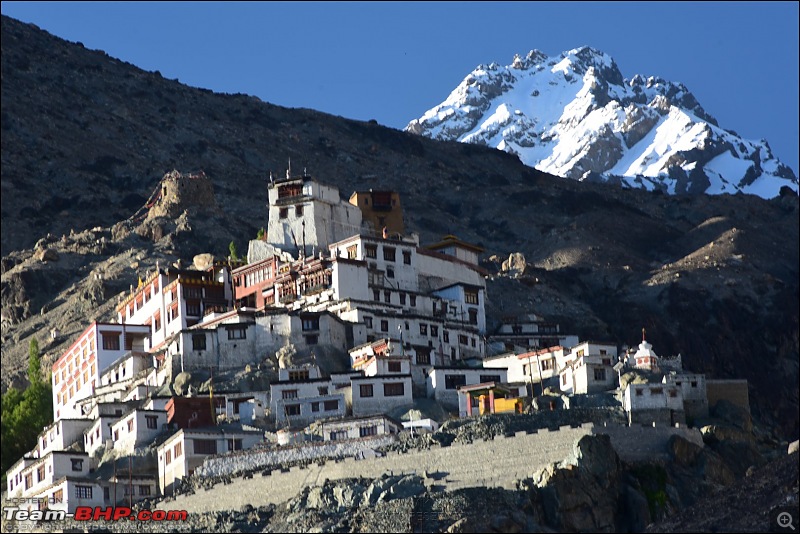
(576, 116)
(86, 138)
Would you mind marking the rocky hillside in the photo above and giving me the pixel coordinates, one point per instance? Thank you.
(574, 115)
(86, 138)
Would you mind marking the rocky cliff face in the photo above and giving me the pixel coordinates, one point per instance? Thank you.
(86, 138)
(575, 116)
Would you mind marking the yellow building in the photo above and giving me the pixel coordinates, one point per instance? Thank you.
(380, 209)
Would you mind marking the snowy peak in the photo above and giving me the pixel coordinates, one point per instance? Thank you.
(576, 116)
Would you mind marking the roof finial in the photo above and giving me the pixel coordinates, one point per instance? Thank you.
(289, 170)
(643, 332)
(271, 180)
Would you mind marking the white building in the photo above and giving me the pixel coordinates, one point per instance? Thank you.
(646, 403)
(136, 429)
(588, 368)
(360, 427)
(378, 394)
(30, 478)
(443, 382)
(306, 216)
(693, 391)
(76, 374)
(530, 331)
(172, 300)
(534, 367)
(185, 450)
(60, 434)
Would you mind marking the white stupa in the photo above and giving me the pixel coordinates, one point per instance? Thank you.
(644, 357)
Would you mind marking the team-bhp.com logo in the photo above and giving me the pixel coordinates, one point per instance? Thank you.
(95, 513)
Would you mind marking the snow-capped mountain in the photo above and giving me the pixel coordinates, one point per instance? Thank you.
(574, 115)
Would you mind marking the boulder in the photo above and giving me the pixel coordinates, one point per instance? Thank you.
(181, 383)
(515, 264)
(47, 254)
(202, 262)
(683, 451)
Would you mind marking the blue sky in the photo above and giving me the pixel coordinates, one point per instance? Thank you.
(392, 61)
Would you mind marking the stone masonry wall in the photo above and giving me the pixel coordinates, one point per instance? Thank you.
(492, 463)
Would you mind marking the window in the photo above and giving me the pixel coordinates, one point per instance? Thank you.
(446, 336)
(365, 431)
(77, 464)
(298, 375)
(237, 333)
(292, 409)
(365, 390)
(516, 329)
(310, 323)
(384, 325)
(152, 421)
(204, 446)
(606, 361)
(388, 253)
(462, 339)
(83, 492)
(376, 295)
(603, 352)
(130, 425)
(600, 374)
(193, 309)
(368, 321)
(394, 367)
(473, 316)
(423, 358)
(235, 444)
(58, 496)
(402, 299)
(452, 353)
(28, 480)
(387, 297)
(564, 383)
(394, 390)
(453, 381)
(371, 251)
(673, 393)
(298, 211)
(656, 391)
(434, 331)
(412, 300)
(352, 252)
(178, 449)
(110, 340)
(470, 296)
(694, 383)
(389, 272)
(407, 257)
(490, 378)
(423, 329)
(314, 406)
(639, 392)
(338, 434)
(331, 405)
(40, 473)
(283, 213)
(289, 394)
(144, 490)
(157, 324)
(199, 342)
(580, 353)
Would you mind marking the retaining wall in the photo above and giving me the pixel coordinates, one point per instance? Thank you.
(492, 463)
